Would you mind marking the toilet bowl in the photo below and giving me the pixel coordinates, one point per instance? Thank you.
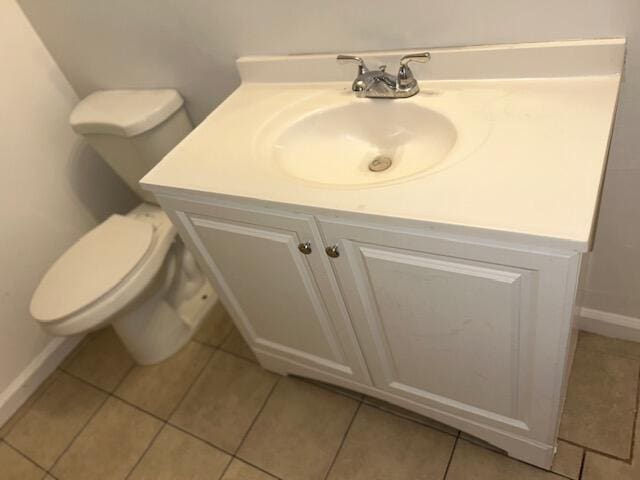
(132, 271)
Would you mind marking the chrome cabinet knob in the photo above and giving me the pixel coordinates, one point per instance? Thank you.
(305, 247)
(332, 251)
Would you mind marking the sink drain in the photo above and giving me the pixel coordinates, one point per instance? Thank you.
(380, 163)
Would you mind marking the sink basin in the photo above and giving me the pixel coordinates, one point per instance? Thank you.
(363, 143)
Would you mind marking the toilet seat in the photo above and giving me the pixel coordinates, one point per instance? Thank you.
(102, 272)
(93, 266)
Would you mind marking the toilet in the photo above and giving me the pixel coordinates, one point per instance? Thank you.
(132, 271)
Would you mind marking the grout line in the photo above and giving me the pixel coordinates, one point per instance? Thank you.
(591, 450)
(219, 348)
(582, 460)
(255, 419)
(87, 382)
(224, 470)
(344, 438)
(635, 420)
(505, 454)
(211, 345)
(144, 452)
(204, 440)
(25, 456)
(155, 415)
(195, 380)
(112, 394)
(228, 335)
(18, 415)
(257, 468)
(91, 417)
(254, 362)
(455, 445)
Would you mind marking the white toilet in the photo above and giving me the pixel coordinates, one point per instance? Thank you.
(131, 271)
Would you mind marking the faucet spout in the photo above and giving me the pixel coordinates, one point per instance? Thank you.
(380, 84)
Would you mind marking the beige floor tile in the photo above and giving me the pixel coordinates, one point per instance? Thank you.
(613, 346)
(158, 388)
(599, 467)
(102, 360)
(299, 431)
(215, 327)
(601, 402)
(235, 344)
(568, 460)
(472, 462)
(178, 455)
(110, 445)
(67, 360)
(14, 466)
(238, 470)
(54, 419)
(388, 407)
(224, 401)
(381, 445)
(24, 408)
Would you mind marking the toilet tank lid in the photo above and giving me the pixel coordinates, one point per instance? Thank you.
(124, 113)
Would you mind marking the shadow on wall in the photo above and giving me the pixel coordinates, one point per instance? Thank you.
(96, 185)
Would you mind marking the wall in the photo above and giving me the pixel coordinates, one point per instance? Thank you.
(191, 45)
(52, 190)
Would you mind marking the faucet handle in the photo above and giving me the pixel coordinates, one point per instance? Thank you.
(406, 80)
(362, 68)
(423, 57)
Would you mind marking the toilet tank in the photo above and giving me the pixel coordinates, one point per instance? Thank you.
(132, 130)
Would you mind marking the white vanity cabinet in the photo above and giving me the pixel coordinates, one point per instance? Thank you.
(477, 334)
(272, 274)
(451, 283)
(471, 333)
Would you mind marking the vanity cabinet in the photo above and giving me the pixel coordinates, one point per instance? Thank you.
(472, 333)
(270, 271)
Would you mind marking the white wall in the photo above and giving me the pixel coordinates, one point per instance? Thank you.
(52, 188)
(191, 45)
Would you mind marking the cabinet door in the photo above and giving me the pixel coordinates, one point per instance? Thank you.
(286, 303)
(453, 325)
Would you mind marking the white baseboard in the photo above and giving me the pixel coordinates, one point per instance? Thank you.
(36, 372)
(609, 324)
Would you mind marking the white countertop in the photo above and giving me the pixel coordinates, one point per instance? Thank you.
(536, 172)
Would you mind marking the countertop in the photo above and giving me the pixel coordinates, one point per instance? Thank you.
(536, 170)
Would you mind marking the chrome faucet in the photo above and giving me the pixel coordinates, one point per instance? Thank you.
(379, 83)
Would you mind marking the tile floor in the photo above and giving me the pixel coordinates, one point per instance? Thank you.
(211, 412)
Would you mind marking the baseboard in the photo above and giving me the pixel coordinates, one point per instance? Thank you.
(609, 324)
(34, 374)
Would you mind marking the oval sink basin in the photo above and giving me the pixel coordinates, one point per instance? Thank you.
(364, 143)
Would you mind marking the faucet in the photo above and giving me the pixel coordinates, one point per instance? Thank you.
(379, 83)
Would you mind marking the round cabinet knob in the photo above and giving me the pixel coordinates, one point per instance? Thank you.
(305, 247)
(332, 251)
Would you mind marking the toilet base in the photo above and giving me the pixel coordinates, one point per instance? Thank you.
(156, 330)
(167, 316)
